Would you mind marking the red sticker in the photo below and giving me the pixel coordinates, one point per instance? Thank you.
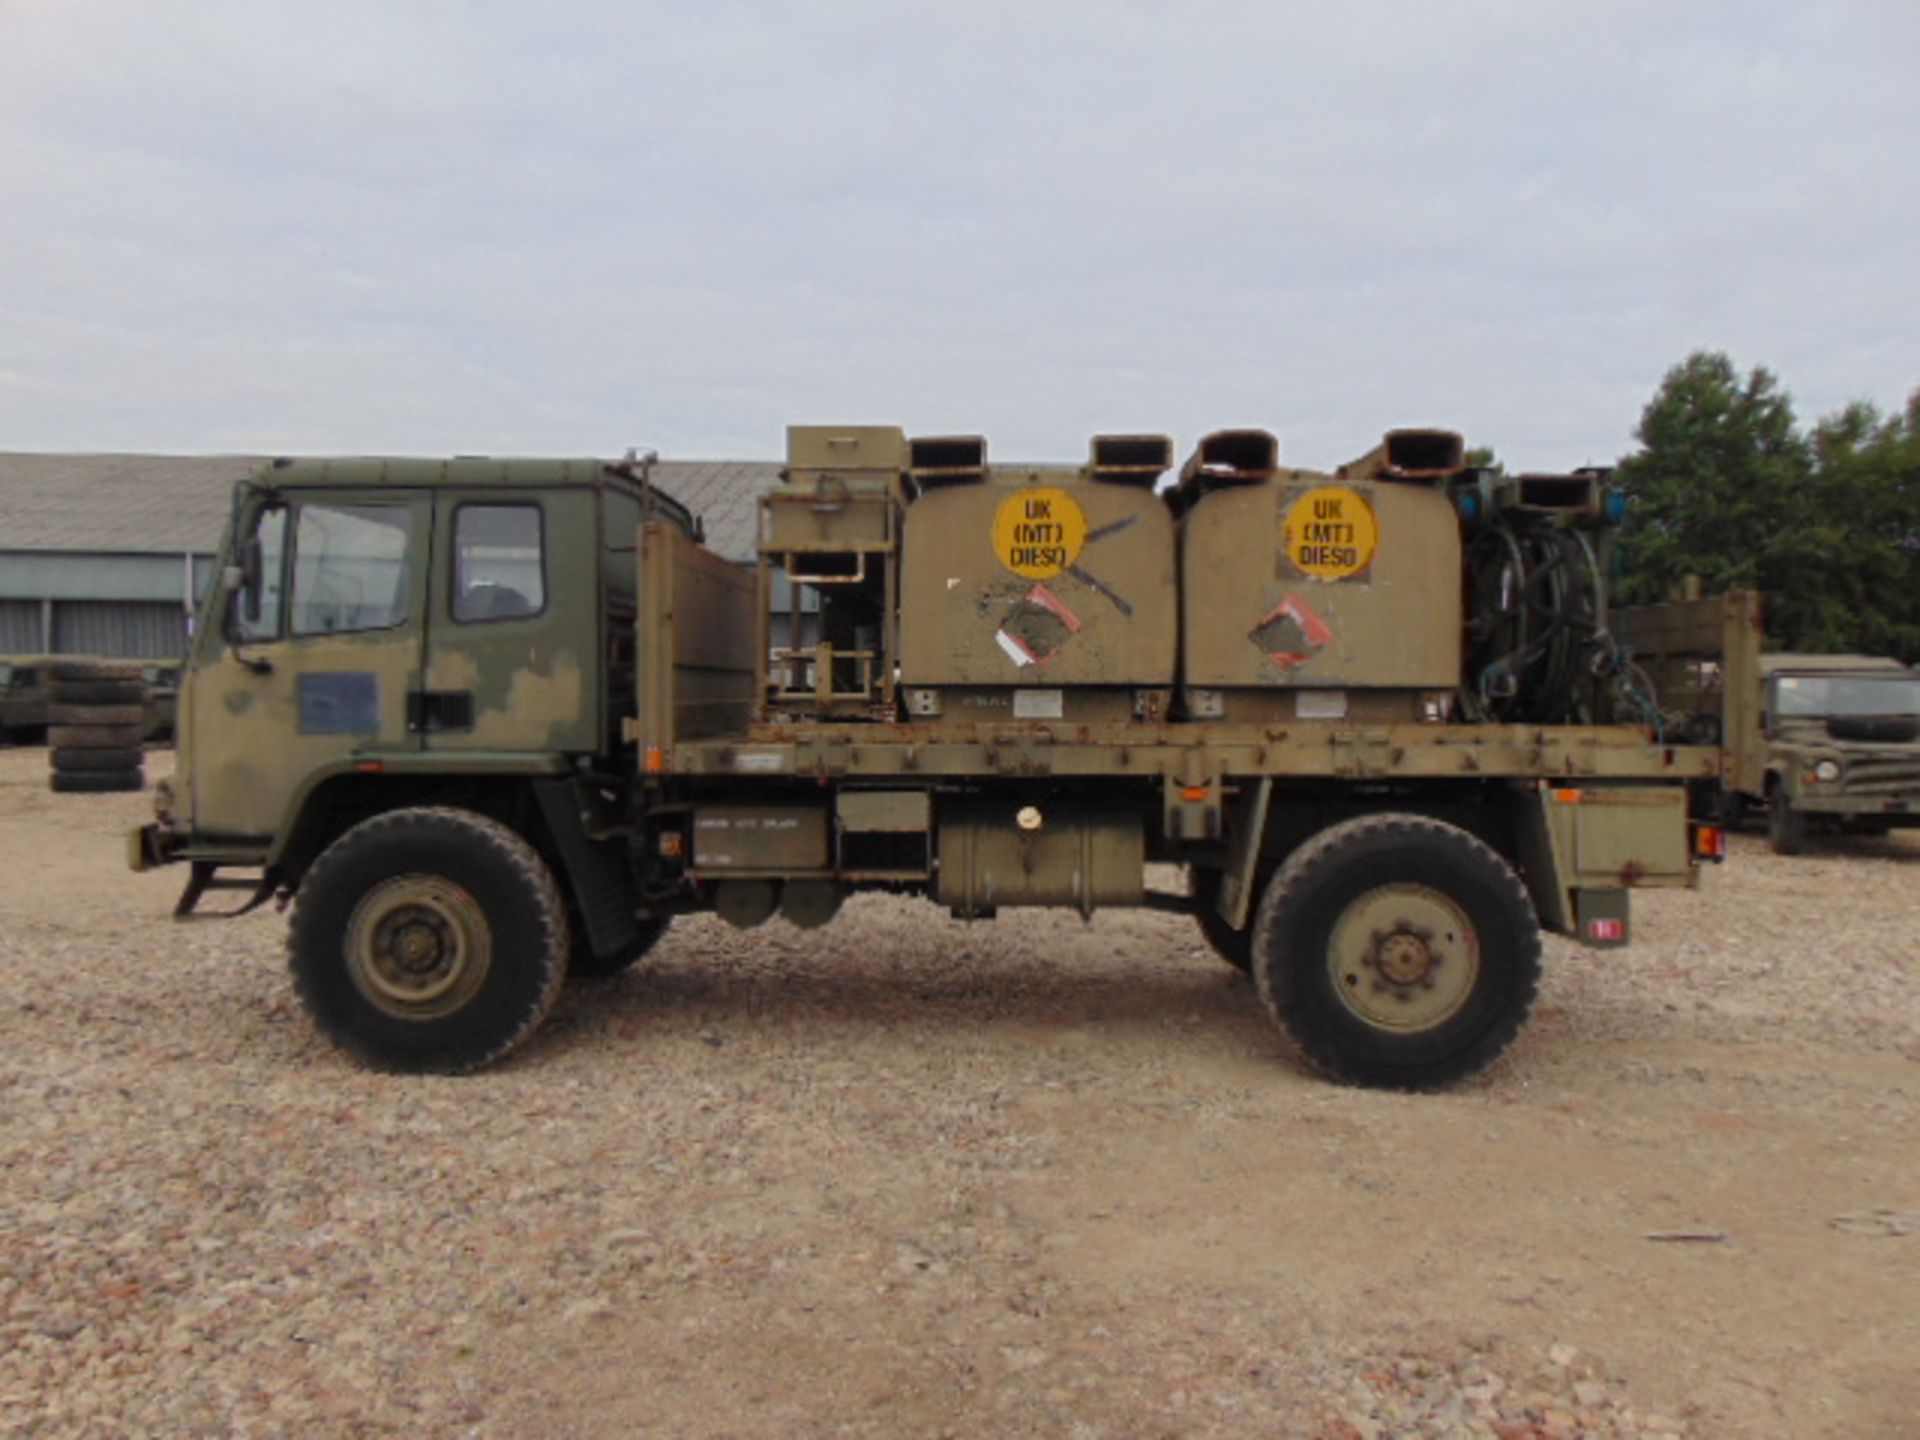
(1291, 633)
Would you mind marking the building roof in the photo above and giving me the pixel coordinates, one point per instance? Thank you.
(123, 504)
(176, 504)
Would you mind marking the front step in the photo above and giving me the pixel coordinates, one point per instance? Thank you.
(206, 876)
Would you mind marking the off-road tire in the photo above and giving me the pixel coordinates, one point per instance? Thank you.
(1786, 826)
(96, 692)
(446, 872)
(1231, 945)
(79, 782)
(94, 737)
(63, 714)
(1312, 951)
(585, 965)
(122, 758)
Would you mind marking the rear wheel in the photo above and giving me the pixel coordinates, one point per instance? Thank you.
(1397, 951)
(429, 939)
(1786, 826)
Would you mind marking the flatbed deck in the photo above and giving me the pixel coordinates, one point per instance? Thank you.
(1191, 752)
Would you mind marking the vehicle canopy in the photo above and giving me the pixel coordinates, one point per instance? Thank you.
(1826, 664)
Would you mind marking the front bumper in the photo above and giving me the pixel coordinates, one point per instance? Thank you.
(151, 846)
(1889, 806)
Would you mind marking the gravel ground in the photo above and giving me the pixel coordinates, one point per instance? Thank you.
(910, 1177)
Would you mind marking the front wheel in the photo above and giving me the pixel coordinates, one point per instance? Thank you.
(1786, 826)
(1397, 951)
(428, 940)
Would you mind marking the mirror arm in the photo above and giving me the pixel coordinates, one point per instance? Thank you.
(230, 632)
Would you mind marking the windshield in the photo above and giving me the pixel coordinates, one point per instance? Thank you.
(1823, 696)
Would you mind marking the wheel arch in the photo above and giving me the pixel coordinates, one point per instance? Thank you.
(429, 938)
(546, 809)
(1291, 817)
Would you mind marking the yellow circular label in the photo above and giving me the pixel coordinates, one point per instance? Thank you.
(1038, 531)
(1331, 533)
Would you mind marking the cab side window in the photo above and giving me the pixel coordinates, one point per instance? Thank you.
(351, 568)
(499, 568)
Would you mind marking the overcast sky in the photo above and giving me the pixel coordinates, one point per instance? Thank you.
(427, 228)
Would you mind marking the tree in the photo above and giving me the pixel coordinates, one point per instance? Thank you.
(1719, 488)
(1726, 487)
(1867, 472)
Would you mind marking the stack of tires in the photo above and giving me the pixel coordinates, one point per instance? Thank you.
(96, 719)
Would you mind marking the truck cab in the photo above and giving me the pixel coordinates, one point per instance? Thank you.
(1842, 745)
(393, 618)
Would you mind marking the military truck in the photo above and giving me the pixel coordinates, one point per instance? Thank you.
(486, 724)
(23, 698)
(27, 692)
(1811, 740)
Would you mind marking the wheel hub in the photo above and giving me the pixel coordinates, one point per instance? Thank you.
(1403, 958)
(418, 947)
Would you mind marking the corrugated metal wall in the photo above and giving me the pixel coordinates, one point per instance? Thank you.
(19, 627)
(132, 629)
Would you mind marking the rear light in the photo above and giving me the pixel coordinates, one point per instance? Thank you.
(1614, 930)
(1710, 843)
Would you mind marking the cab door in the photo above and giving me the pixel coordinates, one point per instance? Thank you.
(320, 651)
(514, 634)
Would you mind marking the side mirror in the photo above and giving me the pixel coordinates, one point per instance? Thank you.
(250, 577)
(241, 583)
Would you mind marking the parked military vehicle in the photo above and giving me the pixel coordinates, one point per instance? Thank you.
(23, 698)
(1812, 740)
(29, 686)
(487, 723)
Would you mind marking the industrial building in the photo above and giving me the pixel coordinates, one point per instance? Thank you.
(107, 554)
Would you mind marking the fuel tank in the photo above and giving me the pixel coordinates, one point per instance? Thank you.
(1041, 592)
(1308, 595)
